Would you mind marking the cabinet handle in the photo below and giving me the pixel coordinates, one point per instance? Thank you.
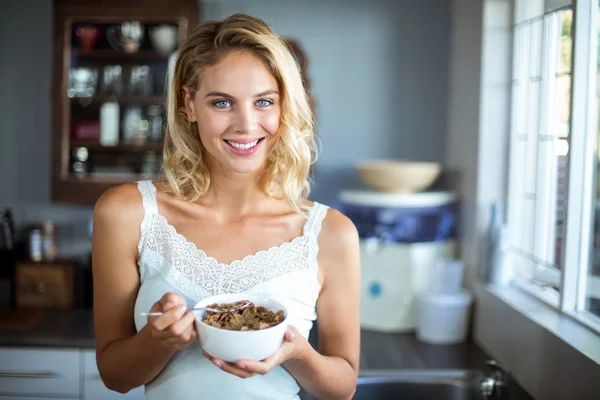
(29, 375)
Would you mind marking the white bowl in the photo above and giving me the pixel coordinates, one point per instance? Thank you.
(398, 176)
(232, 346)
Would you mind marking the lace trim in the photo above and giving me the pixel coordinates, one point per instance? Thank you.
(196, 274)
(192, 271)
(148, 192)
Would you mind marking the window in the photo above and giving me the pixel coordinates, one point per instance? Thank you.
(553, 220)
(590, 299)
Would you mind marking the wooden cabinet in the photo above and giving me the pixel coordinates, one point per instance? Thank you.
(44, 285)
(111, 59)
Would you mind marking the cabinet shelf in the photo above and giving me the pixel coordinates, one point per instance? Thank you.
(112, 56)
(120, 148)
(123, 100)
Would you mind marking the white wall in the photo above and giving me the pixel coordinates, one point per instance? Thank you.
(463, 118)
(478, 115)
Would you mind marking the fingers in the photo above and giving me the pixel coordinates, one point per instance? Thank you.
(229, 367)
(170, 316)
(175, 324)
(234, 370)
(289, 336)
(170, 300)
(260, 367)
(175, 327)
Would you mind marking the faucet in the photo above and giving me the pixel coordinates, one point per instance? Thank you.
(495, 378)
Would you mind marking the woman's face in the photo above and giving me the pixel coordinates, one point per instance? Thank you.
(237, 108)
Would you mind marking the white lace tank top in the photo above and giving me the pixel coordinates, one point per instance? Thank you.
(170, 263)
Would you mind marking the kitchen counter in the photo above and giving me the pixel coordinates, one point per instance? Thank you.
(404, 351)
(75, 328)
(379, 351)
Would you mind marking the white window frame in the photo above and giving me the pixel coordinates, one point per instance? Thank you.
(574, 281)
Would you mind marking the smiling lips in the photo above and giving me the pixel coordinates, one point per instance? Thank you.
(244, 147)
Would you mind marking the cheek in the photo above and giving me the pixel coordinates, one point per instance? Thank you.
(211, 125)
(270, 122)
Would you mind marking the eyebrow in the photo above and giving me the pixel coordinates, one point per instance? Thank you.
(223, 94)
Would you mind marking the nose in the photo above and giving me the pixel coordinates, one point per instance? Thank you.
(246, 119)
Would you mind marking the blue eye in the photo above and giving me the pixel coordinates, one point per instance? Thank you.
(222, 104)
(264, 103)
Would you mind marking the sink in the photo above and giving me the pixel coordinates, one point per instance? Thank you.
(426, 384)
(418, 385)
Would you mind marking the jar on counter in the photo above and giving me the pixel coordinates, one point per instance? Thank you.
(49, 246)
(35, 244)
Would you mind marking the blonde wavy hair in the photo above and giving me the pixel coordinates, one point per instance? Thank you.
(287, 167)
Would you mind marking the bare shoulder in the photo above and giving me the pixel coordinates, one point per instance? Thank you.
(338, 229)
(120, 202)
(339, 237)
(117, 217)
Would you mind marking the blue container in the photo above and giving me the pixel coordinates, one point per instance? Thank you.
(402, 218)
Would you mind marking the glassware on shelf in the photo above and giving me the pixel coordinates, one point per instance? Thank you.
(131, 123)
(82, 82)
(79, 164)
(87, 36)
(112, 80)
(126, 37)
(164, 38)
(155, 121)
(109, 124)
(140, 81)
(150, 166)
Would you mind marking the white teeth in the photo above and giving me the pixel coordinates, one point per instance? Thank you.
(240, 146)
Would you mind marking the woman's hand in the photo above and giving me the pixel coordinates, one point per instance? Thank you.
(292, 344)
(175, 328)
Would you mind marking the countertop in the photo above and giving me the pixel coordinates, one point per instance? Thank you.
(75, 328)
(379, 351)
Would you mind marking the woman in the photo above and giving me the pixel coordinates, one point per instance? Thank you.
(237, 153)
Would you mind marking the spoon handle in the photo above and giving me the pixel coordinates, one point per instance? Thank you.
(157, 313)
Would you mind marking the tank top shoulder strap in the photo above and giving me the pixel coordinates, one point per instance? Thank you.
(148, 191)
(316, 215)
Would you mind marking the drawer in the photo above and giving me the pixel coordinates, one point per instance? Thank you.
(39, 372)
(93, 387)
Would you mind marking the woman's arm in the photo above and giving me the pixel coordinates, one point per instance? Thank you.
(331, 373)
(127, 359)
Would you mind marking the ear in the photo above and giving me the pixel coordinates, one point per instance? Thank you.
(188, 100)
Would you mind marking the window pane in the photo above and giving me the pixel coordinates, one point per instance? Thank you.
(592, 296)
(539, 145)
(560, 129)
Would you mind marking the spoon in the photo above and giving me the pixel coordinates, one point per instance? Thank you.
(214, 310)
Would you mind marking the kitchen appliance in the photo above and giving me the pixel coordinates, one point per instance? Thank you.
(402, 238)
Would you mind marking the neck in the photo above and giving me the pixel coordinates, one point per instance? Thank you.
(235, 194)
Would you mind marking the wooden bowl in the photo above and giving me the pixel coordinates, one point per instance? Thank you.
(398, 176)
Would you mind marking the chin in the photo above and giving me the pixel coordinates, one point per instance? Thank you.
(247, 166)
